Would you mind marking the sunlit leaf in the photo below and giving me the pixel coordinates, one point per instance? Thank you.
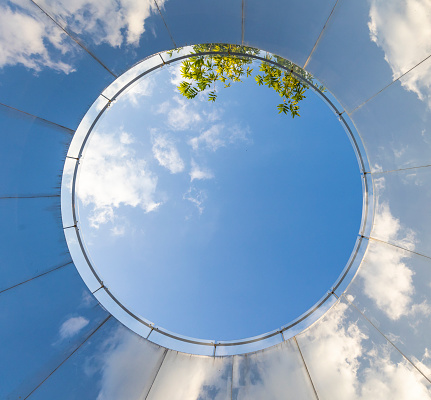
(205, 71)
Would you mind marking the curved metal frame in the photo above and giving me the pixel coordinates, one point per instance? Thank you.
(362, 161)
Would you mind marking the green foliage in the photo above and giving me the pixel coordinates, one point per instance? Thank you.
(204, 71)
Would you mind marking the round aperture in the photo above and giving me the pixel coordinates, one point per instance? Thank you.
(217, 196)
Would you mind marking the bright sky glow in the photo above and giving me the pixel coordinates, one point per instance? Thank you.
(217, 220)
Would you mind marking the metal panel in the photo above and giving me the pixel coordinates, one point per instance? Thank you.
(112, 364)
(43, 322)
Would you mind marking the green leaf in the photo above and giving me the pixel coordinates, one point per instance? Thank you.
(259, 79)
(203, 71)
(212, 96)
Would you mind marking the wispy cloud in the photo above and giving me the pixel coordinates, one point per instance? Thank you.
(118, 231)
(402, 30)
(111, 176)
(176, 76)
(211, 138)
(134, 95)
(196, 197)
(88, 299)
(214, 115)
(199, 173)
(72, 326)
(218, 136)
(181, 114)
(166, 153)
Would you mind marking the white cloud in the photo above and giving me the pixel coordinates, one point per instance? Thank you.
(143, 88)
(402, 29)
(385, 379)
(127, 364)
(26, 40)
(211, 138)
(181, 115)
(199, 173)
(424, 363)
(388, 228)
(420, 309)
(196, 197)
(111, 176)
(166, 153)
(346, 364)
(163, 108)
(400, 152)
(118, 230)
(377, 168)
(213, 115)
(72, 326)
(271, 374)
(176, 77)
(197, 378)
(336, 346)
(88, 299)
(114, 22)
(343, 362)
(218, 136)
(124, 375)
(239, 133)
(101, 215)
(387, 279)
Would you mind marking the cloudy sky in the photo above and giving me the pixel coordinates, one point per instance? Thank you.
(196, 199)
(200, 195)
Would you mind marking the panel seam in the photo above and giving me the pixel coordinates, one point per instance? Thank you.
(398, 170)
(37, 276)
(74, 39)
(70, 355)
(320, 35)
(242, 21)
(306, 368)
(387, 339)
(166, 25)
(71, 131)
(394, 245)
(385, 87)
(157, 373)
(30, 196)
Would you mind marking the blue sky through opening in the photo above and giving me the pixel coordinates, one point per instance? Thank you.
(218, 220)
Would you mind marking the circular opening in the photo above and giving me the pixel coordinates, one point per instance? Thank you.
(220, 213)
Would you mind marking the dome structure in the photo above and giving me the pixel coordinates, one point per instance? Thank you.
(64, 338)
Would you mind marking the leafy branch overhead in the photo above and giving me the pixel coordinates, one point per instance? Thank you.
(204, 71)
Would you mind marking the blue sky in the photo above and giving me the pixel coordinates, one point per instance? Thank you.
(217, 220)
(44, 72)
(36, 63)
